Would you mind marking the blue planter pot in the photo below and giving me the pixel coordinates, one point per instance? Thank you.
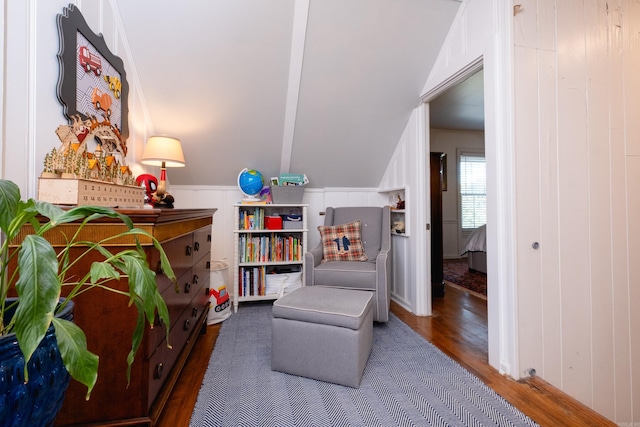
(37, 402)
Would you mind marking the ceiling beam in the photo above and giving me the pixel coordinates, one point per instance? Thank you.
(298, 37)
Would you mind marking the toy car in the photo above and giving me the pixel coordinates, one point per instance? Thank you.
(101, 101)
(115, 85)
(89, 61)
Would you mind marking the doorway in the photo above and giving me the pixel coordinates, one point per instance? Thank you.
(456, 125)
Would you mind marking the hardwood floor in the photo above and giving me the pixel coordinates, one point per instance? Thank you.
(459, 328)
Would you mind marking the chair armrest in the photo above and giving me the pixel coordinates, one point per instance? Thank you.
(311, 259)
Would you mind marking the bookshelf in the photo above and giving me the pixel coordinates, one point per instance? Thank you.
(269, 245)
(399, 217)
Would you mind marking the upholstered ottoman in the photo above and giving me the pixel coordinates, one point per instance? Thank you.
(323, 333)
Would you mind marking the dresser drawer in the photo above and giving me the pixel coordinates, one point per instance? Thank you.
(180, 254)
(201, 243)
(163, 358)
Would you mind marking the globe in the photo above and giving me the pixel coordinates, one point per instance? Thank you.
(250, 182)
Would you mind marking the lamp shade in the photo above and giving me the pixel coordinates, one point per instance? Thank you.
(163, 149)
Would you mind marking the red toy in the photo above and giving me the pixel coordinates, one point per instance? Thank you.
(150, 184)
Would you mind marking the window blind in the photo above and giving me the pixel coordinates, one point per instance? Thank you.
(473, 190)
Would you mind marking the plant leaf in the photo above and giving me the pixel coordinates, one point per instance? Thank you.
(39, 291)
(103, 270)
(80, 362)
(89, 213)
(9, 199)
(136, 339)
(142, 283)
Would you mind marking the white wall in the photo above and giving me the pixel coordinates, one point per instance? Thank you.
(577, 144)
(451, 142)
(562, 99)
(30, 66)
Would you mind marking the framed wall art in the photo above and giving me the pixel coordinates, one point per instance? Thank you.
(92, 84)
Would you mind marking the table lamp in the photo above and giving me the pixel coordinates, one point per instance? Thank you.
(163, 151)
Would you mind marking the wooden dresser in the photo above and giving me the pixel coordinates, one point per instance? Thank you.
(108, 322)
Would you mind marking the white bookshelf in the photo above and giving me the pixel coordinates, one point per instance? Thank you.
(260, 250)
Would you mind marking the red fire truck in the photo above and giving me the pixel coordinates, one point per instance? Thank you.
(89, 61)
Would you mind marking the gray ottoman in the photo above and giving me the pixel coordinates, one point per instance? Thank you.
(323, 333)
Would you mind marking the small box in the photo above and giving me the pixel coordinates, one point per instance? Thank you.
(292, 222)
(81, 192)
(273, 222)
(287, 194)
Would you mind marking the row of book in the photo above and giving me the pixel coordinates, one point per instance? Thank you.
(252, 281)
(262, 280)
(252, 221)
(269, 248)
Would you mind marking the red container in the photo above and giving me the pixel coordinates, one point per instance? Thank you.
(273, 222)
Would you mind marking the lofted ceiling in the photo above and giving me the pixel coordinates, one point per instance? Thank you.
(321, 87)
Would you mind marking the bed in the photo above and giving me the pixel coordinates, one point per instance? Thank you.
(476, 249)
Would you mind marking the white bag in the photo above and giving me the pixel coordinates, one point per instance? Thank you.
(220, 307)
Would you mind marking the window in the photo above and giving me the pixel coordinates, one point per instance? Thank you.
(473, 190)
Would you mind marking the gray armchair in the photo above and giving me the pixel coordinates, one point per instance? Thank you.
(373, 275)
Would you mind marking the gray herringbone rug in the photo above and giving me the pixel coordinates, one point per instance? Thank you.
(407, 382)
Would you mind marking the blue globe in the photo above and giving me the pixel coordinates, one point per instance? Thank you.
(250, 182)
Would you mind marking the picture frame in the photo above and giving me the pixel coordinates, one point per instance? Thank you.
(92, 83)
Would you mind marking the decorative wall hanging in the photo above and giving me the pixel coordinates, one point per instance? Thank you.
(92, 80)
(93, 90)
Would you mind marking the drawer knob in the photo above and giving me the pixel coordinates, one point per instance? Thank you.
(187, 288)
(196, 246)
(208, 237)
(194, 312)
(157, 373)
(208, 265)
(186, 325)
(195, 279)
(207, 291)
(189, 250)
(159, 270)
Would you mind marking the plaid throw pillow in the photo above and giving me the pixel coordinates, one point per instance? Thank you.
(342, 242)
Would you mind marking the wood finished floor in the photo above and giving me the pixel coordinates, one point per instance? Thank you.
(459, 328)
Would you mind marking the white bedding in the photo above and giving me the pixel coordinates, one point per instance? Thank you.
(477, 240)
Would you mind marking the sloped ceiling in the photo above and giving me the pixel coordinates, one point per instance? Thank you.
(322, 87)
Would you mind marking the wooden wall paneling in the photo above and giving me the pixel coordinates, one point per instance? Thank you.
(599, 166)
(573, 212)
(633, 171)
(525, 23)
(631, 73)
(401, 272)
(108, 28)
(528, 208)
(622, 362)
(549, 232)
(631, 92)
(547, 25)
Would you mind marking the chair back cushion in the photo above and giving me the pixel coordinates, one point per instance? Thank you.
(342, 242)
(370, 224)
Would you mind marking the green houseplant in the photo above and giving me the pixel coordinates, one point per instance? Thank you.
(41, 273)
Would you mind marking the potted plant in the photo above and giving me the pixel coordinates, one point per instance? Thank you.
(39, 275)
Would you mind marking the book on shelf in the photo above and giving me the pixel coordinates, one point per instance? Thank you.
(252, 281)
(251, 220)
(273, 247)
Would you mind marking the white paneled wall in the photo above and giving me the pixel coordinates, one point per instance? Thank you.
(577, 132)
(30, 74)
